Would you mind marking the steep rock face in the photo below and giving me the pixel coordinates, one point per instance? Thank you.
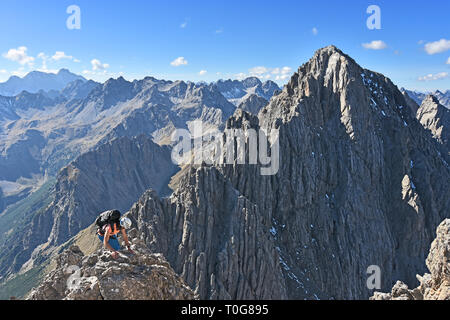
(434, 286)
(436, 118)
(21, 158)
(412, 103)
(212, 236)
(360, 182)
(139, 276)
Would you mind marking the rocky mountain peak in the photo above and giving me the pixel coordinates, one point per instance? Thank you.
(251, 82)
(331, 84)
(112, 92)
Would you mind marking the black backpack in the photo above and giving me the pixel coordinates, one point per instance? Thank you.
(107, 217)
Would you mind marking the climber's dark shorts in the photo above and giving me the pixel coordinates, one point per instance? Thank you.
(113, 242)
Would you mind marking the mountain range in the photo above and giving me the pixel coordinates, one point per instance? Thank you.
(36, 81)
(363, 180)
(43, 131)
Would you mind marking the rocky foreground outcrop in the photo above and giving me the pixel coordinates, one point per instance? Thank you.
(434, 286)
(139, 276)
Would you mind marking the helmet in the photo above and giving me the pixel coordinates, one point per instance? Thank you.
(125, 222)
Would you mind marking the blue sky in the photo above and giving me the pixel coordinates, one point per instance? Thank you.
(224, 39)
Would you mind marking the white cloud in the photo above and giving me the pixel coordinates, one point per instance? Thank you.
(3, 71)
(101, 76)
(282, 71)
(42, 56)
(437, 46)
(97, 65)
(375, 45)
(180, 61)
(286, 70)
(282, 77)
(265, 73)
(19, 55)
(203, 72)
(448, 60)
(240, 76)
(437, 76)
(219, 30)
(61, 55)
(257, 71)
(315, 31)
(46, 70)
(44, 59)
(183, 25)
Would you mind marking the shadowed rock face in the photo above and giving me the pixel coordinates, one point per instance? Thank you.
(360, 183)
(212, 236)
(139, 276)
(434, 286)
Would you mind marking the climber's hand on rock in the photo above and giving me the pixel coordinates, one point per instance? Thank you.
(129, 250)
(114, 254)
